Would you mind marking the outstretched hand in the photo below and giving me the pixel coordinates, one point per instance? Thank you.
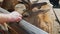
(14, 17)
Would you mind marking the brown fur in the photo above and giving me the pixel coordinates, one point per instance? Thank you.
(9, 4)
(41, 19)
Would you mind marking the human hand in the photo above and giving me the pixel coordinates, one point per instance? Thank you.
(14, 17)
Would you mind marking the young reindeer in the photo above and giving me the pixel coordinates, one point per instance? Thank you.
(36, 14)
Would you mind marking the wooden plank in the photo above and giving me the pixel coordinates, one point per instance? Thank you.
(57, 11)
(57, 26)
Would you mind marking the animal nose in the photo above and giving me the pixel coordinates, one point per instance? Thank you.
(26, 15)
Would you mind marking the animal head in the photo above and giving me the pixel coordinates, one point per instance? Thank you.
(27, 8)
